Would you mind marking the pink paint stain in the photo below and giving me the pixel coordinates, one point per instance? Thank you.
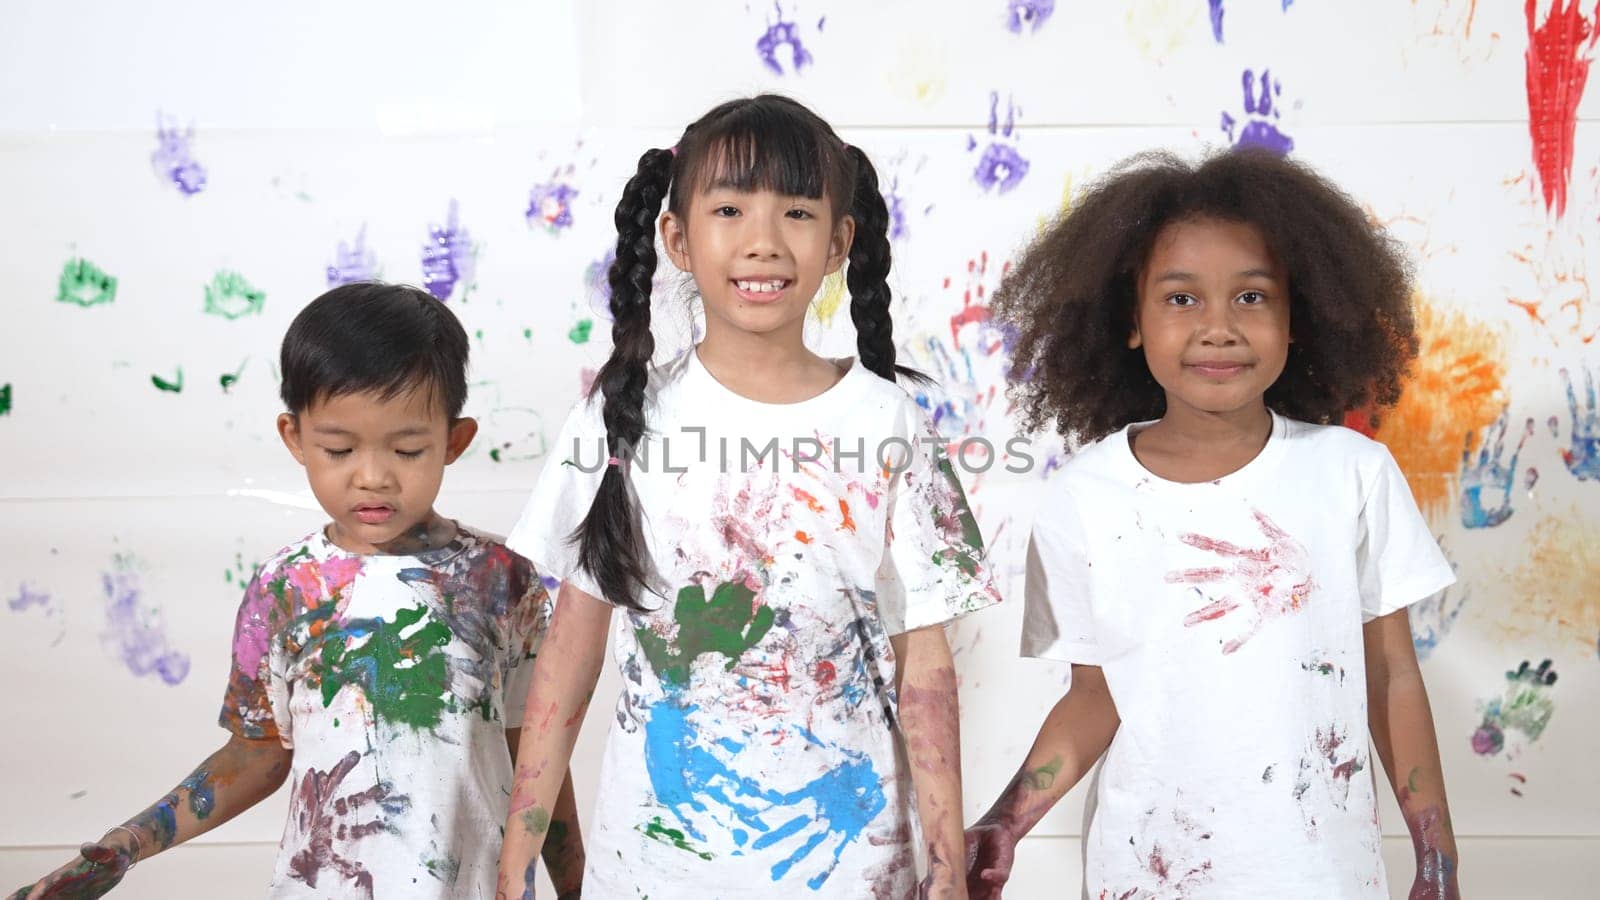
(1275, 580)
(1557, 67)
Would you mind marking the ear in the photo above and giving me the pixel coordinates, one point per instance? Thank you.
(1135, 339)
(462, 431)
(844, 235)
(289, 432)
(675, 238)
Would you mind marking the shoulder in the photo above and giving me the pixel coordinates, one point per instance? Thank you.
(1335, 448)
(486, 550)
(299, 550)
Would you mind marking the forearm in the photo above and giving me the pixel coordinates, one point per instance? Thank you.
(563, 847)
(1402, 731)
(233, 779)
(558, 697)
(1077, 730)
(931, 723)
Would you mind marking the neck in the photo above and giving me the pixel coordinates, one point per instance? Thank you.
(431, 533)
(1186, 425)
(729, 349)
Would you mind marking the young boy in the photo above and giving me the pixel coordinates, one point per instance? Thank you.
(379, 661)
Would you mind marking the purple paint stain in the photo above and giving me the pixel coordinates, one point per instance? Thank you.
(897, 210)
(135, 632)
(1260, 129)
(448, 258)
(1000, 167)
(172, 160)
(550, 205)
(353, 263)
(1216, 19)
(27, 597)
(1028, 13)
(595, 278)
(779, 34)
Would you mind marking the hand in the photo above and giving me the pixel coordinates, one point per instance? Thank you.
(98, 868)
(991, 850)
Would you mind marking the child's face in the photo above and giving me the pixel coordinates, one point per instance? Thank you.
(1213, 316)
(757, 257)
(375, 465)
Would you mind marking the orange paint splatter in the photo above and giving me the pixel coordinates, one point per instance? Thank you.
(1554, 588)
(802, 537)
(810, 501)
(848, 524)
(1455, 388)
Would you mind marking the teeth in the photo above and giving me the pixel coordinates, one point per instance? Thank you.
(760, 287)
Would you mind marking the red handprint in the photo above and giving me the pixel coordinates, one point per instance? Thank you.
(1275, 579)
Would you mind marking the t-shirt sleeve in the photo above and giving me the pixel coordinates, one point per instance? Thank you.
(1058, 617)
(1398, 561)
(934, 566)
(530, 619)
(562, 496)
(255, 703)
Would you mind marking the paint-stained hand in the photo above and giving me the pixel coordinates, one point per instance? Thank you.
(1488, 484)
(991, 851)
(98, 868)
(1583, 455)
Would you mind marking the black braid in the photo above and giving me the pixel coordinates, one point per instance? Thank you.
(611, 543)
(868, 275)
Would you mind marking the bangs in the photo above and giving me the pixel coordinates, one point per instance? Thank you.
(765, 148)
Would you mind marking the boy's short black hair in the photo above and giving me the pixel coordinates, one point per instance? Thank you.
(373, 336)
(1068, 305)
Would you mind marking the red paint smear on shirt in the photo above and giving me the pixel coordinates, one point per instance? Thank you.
(1557, 67)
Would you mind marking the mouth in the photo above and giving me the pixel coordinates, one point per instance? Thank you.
(374, 513)
(1217, 369)
(761, 290)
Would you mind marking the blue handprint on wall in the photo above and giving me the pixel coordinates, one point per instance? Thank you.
(1262, 110)
(1487, 482)
(1582, 456)
(1000, 167)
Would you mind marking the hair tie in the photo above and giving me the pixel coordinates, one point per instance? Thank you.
(613, 461)
(673, 149)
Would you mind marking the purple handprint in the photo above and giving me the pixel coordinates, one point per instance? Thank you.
(1261, 113)
(351, 264)
(448, 258)
(778, 34)
(1487, 484)
(1583, 456)
(550, 203)
(1030, 14)
(1000, 167)
(172, 160)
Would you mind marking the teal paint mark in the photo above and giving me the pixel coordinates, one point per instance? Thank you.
(230, 296)
(82, 283)
(172, 387)
(580, 332)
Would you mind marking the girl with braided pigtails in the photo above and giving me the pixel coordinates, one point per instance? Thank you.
(780, 539)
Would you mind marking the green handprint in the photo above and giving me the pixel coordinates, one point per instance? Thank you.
(230, 296)
(83, 283)
(729, 624)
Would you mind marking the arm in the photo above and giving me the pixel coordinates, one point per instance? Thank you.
(233, 779)
(563, 849)
(558, 696)
(1078, 729)
(931, 724)
(1402, 731)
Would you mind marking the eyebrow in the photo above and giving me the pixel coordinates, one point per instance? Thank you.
(1176, 275)
(335, 431)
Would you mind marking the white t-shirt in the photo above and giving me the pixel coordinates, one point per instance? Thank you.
(392, 677)
(754, 751)
(1227, 617)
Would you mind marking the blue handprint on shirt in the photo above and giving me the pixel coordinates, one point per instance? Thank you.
(1486, 484)
(1583, 455)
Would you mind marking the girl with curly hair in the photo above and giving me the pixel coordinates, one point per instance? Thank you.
(1225, 567)
(773, 541)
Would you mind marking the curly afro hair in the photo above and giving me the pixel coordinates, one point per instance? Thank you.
(1068, 304)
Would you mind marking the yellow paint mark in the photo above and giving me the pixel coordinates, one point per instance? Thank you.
(1555, 587)
(830, 298)
(1158, 28)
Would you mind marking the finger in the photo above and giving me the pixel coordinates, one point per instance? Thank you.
(1588, 380)
(1572, 399)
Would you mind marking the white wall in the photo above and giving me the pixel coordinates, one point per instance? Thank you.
(314, 121)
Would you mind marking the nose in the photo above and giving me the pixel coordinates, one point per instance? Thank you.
(761, 239)
(1219, 325)
(373, 473)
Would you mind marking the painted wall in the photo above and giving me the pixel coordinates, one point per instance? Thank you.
(180, 179)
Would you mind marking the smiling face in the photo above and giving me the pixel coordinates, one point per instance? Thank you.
(757, 257)
(1212, 317)
(375, 464)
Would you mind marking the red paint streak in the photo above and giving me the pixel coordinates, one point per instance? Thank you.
(825, 673)
(1158, 865)
(1362, 420)
(1275, 579)
(1557, 67)
(810, 501)
(848, 524)
(549, 714)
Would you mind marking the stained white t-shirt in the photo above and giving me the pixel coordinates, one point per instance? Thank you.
(754, 751)
(1227, 617)
(392, 678)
